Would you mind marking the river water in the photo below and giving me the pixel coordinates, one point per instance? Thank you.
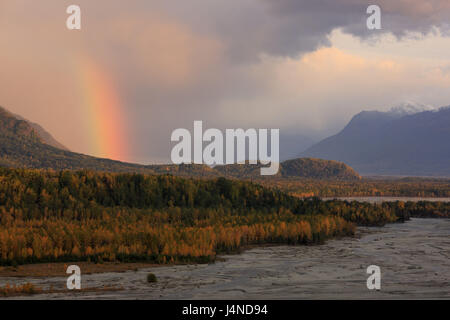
(413, 257)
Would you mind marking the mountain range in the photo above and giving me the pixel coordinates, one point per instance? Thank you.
(404, 141)
(24, 144)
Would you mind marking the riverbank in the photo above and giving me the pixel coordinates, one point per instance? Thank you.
(58, 269)
(413, 257)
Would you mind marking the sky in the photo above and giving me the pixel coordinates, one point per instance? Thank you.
(139, 69)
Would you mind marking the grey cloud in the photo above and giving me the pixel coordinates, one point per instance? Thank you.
(291, 27)
(399, 17)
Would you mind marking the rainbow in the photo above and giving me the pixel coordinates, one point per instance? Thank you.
(105, 119)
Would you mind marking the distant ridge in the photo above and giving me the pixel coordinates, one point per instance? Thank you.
(399, 142)
(294, 168)
(41, 132)
(46, 137)
(27, 145)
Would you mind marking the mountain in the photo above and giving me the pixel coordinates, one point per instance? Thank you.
(44, 135)
(9, 120)
(27, 145)
(398, 142)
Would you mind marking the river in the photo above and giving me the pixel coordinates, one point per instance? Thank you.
(413, 257)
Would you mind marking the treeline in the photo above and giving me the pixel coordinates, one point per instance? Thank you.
(160, 237)
(57, 191)
(426, 209)
(71, 216)
(405, 187)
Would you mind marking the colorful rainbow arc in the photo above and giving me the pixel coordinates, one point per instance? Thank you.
(104, 112)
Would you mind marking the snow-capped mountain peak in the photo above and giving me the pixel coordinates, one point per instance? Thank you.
(409, 107)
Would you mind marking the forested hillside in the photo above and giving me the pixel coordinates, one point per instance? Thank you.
(294, 168)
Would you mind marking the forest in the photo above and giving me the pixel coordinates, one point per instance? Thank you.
(367, 186)
(49, 216)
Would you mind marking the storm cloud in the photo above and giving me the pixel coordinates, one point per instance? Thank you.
(299, 65)
(290, 27)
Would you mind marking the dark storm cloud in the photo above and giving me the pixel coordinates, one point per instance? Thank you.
(315, 19)
(303, 25)
(290, 27)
